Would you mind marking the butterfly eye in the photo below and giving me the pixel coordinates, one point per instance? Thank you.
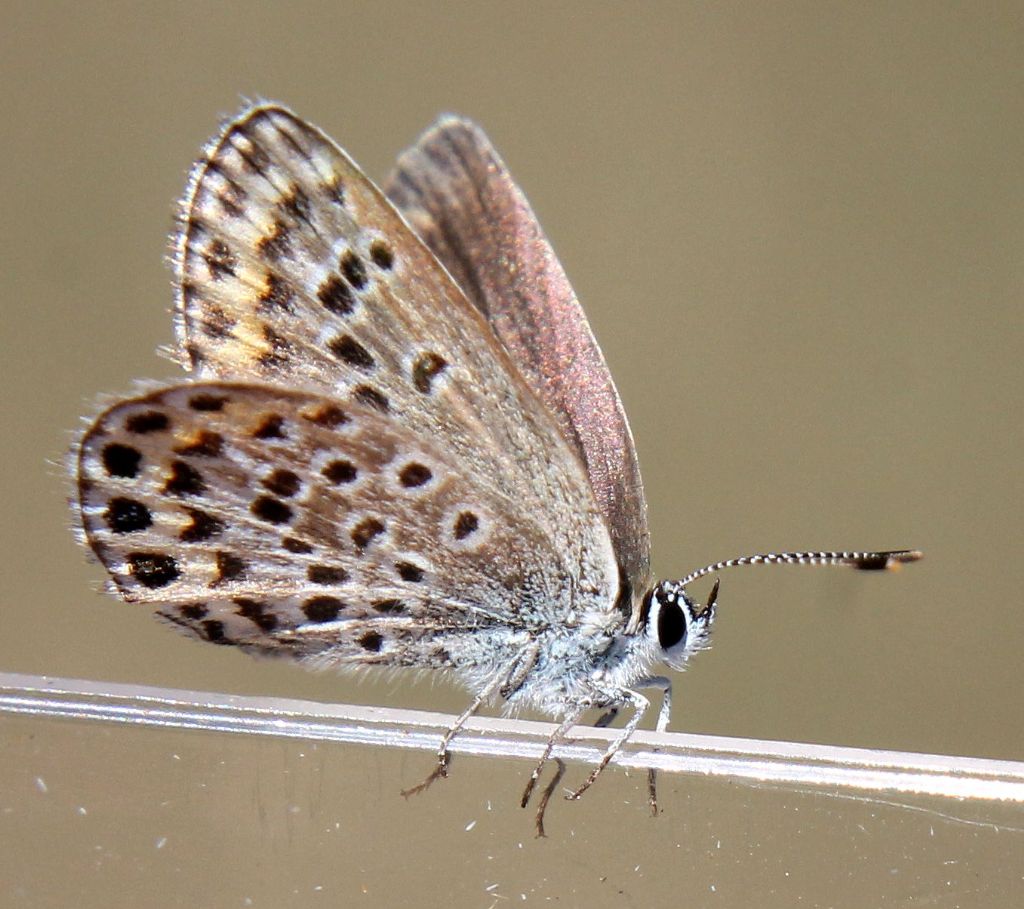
(671, 626)
(674, 625)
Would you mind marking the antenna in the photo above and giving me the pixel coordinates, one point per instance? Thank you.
(862, 561)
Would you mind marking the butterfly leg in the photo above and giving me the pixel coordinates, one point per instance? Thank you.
(545, 796)
(571, 720)
(520, 671)
(640, 705)
(443, 755)
(664, 714)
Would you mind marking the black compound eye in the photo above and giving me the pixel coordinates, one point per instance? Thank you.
(671, 625)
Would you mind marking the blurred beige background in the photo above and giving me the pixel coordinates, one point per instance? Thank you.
(797, 231)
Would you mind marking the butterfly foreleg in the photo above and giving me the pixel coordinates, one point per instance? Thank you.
(640, 705)
(664, 714)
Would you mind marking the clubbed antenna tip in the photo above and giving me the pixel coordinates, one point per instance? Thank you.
(862, 561)
(886, 561)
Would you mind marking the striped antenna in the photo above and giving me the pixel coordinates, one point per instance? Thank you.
(863, 561)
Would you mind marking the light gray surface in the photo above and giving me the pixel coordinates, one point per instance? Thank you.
(797, 233)
(869, 773)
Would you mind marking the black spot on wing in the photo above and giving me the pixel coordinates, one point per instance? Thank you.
(229, 567)
(353, 269)
(322, 609)
(350, 351)
(466, 523)
(270, 427)
(326, 574)
(203, 527)
(184, 480)
(124, 515)
(381, 255)
(371, 397)
(425, 369)
(153, 569)
(206, 444)
(271, 510)
(121, 460)
(366, 531)
(284, 483)
(336, 296)
(207, 403)
(147, 422)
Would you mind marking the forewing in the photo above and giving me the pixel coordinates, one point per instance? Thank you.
(295, 270)
(460, 198)
(288, 522)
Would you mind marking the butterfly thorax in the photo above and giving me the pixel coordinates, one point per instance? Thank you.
(596, 663)
(560, 666)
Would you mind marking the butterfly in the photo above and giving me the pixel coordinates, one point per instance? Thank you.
(399, 444)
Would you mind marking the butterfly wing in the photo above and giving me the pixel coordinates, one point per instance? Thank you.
(295, 273)
(295, 270)
(458, 195)
(286, 522)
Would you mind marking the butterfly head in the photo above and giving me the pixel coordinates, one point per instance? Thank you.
(677, 625)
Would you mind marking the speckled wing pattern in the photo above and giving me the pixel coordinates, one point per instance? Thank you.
(356, 449)
(460, 198)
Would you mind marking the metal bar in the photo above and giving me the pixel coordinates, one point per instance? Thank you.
(744, 759)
